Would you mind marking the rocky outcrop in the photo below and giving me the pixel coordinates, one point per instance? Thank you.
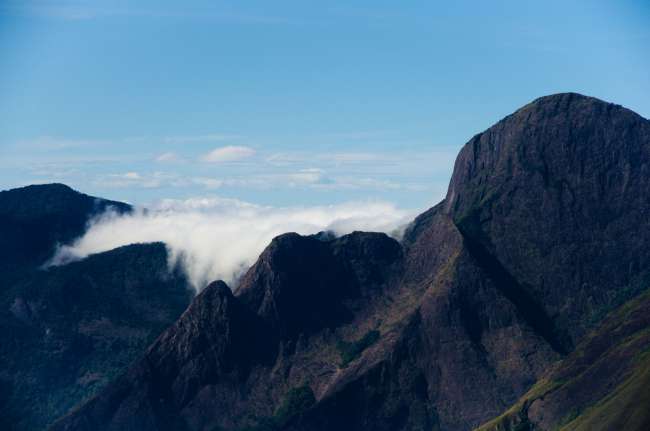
(544, 230)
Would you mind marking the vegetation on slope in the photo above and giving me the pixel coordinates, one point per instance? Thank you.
(626, 408)
(296, 402)
(352, 350)
(603, 385)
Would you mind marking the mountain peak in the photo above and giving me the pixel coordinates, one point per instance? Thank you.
(50, 187)
(563, 170)
(543, 231)
(38, 217)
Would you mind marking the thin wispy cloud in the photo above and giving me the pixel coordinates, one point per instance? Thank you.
(208, 183)
(288, 158)
(51, 143)
(189, 139)
(307, 178)
(438, 160)
(180, 168)
(230, 153)
(140, 180)
(364, 135)
(168, 157)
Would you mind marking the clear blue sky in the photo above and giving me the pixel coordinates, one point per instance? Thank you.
(287, 103)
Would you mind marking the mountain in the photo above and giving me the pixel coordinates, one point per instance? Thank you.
(67, 331)
(603, 384)
(34, 219)
(529, 272)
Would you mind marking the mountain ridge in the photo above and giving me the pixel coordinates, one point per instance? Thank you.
(542, 233)
(68, 330)
(35, 219)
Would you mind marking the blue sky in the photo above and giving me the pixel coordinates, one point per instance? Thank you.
(290, 103)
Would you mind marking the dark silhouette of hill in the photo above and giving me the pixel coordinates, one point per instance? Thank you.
(67, 331)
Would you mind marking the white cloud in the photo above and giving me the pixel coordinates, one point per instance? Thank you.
(131, 176)
(208, 183)
(168, 157)
(230, 153)
(306, 176)
(135, 179)
(216, 238)
(214, 137)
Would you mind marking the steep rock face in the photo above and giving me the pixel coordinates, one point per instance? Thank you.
(461, 351)
(231, 361)
(557, 193)
(216, 341)
(448, 328)
(301, 284)
(69, 330)
(34, 219)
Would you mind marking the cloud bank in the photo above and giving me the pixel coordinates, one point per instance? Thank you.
(215, 238)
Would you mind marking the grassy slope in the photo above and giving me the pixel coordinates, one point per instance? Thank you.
(587, 397)
(627, 408)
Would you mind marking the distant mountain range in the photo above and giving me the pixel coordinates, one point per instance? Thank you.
(520, 302)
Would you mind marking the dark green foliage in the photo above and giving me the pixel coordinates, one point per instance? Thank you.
(352, 350)
(76, 327)
(297, 401)
(637, 285)
(523, 426)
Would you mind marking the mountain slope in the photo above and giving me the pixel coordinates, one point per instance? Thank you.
(603, 385)
(73, 328)
(68, 330)
(34, 219)
(544, 230)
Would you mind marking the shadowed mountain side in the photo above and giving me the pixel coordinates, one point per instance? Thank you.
(34, 219)
(69, 330)
(300, 284)
(544, 230)
(214, 345)
(270, 359)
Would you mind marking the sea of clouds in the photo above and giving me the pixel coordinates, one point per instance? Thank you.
(215, 238)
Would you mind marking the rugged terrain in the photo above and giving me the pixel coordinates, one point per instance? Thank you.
(519, 302)
(69, 330)
(497, 293)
